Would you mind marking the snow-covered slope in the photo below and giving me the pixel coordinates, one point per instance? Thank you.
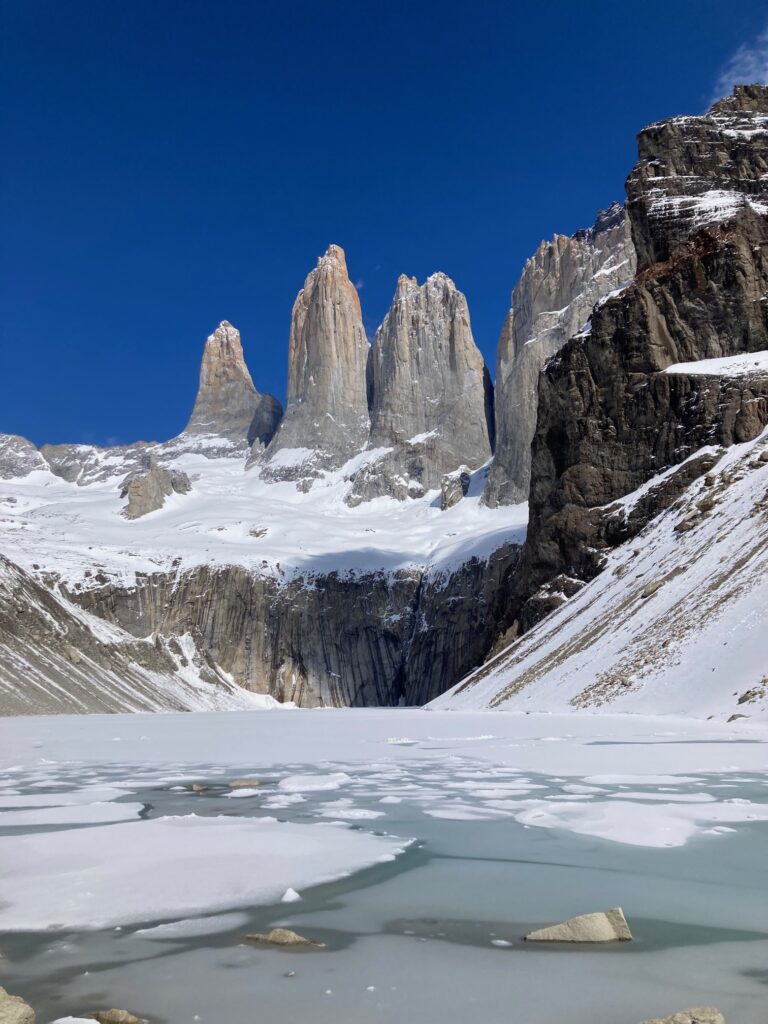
(56, 658)
(675, 624)
(234, 517)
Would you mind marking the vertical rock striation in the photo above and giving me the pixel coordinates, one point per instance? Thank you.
(326, 418)
(554, 297)
(227, 404)
(431, 396)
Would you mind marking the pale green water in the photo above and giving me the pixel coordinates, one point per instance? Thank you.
(412, 941)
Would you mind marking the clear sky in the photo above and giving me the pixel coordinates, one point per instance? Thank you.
(166, 164)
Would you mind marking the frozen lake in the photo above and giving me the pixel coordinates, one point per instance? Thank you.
(423, 845)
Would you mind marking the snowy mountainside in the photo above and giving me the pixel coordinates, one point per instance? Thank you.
(676, 623)
(76, 531)
(296, 595)
(55, 658)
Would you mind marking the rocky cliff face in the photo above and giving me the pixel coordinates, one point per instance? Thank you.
(610, 417)
(326, 418)
(362, 639)
(431, 398)
(18, 457)
(550, 303)
(227, 404)
(57, 659)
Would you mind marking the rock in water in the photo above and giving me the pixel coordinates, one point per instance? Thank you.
(695, 1015)
(604, 926)
(282, 937)
(227, 404)
(430, 392)
(147, 489)
(14, 1010)
(115, 1017)
(551, 302)
(326, 418)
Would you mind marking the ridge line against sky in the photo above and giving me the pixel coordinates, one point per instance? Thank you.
(167, 166)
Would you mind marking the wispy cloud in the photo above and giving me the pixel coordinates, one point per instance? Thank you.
(748, 65)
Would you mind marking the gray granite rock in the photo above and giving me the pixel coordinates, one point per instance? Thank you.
(326, 418)
(146, 489)
(227, 404)
(551, 302)
(335, 639)
(430, 392)
(18, 457)
(454, 487)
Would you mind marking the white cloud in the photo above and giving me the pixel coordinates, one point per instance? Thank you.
(748, 65)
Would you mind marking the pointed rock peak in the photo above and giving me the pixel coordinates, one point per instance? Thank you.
(333, 255)
(327, 410)
(441, 279)
(227, 403)
(405, 284)
(223, 355)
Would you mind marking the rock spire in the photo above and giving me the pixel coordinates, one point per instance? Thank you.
(430, 392)
(326, 418)
(554, 297)
(227, 404)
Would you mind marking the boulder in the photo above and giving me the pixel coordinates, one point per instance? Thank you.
(604, 926)
(695, 1015)
(282, 937)
(14, 1010)
(115, 1017)
(147, 488)
(454, 487)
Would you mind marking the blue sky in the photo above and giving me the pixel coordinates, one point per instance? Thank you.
(166, 164)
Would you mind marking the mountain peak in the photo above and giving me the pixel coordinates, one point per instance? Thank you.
(227, 403)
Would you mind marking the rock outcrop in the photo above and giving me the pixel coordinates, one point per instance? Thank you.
(227, 404)
(326, 418)
(431, 397)
(14, 1010)
(363, 639)
(609, 417)
(18, 457)
(551, 302)
(454, 486)
(694, 1015)
(56, 659)
(146, 489)
(603, 926)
